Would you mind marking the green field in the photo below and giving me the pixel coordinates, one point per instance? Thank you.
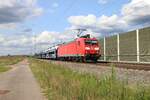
(8, 60)
(59, 83)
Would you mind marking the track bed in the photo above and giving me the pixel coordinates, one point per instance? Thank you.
(129, 73)
(136, 66)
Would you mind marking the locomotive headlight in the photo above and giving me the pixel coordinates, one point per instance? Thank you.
(87, 48)
(96, 48)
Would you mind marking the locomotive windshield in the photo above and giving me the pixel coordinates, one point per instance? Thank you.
(92, 42)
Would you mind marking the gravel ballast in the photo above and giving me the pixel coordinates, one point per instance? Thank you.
(129, 75)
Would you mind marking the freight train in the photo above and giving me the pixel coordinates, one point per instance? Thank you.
(82, 49)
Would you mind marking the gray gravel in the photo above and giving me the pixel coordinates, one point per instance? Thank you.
(129, 75)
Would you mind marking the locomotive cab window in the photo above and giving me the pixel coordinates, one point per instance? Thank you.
(91, 42)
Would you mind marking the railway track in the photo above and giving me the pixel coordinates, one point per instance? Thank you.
(134, 66)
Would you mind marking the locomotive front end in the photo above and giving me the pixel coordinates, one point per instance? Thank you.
(92, 49)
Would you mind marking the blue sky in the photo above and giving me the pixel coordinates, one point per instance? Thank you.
(56, 12)
(54, 18)
(48, 20)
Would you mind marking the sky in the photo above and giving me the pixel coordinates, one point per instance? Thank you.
(28, 26)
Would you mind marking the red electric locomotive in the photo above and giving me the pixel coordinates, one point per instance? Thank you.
(82, 49)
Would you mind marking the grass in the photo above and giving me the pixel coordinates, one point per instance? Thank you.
(5, 61)
(4, 69)
(59, 83)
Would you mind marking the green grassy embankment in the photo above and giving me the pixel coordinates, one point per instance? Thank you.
(8, 60)
(59, 83)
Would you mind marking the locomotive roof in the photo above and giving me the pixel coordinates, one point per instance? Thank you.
(80, 38)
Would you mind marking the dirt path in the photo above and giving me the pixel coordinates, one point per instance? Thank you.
(19, 84)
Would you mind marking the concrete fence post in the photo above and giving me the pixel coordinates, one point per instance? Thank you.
(118, 47)
(137, 43)
(104, 49)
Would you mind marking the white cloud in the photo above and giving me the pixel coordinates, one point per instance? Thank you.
(16, 11)
(47, 37)
(110, 24)
(25, 44)
(8, 26)
(102, 24)
(1, 39)
(82, 20)
(55, 5)
(103, 1)
(134, 14)
(15, 45)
